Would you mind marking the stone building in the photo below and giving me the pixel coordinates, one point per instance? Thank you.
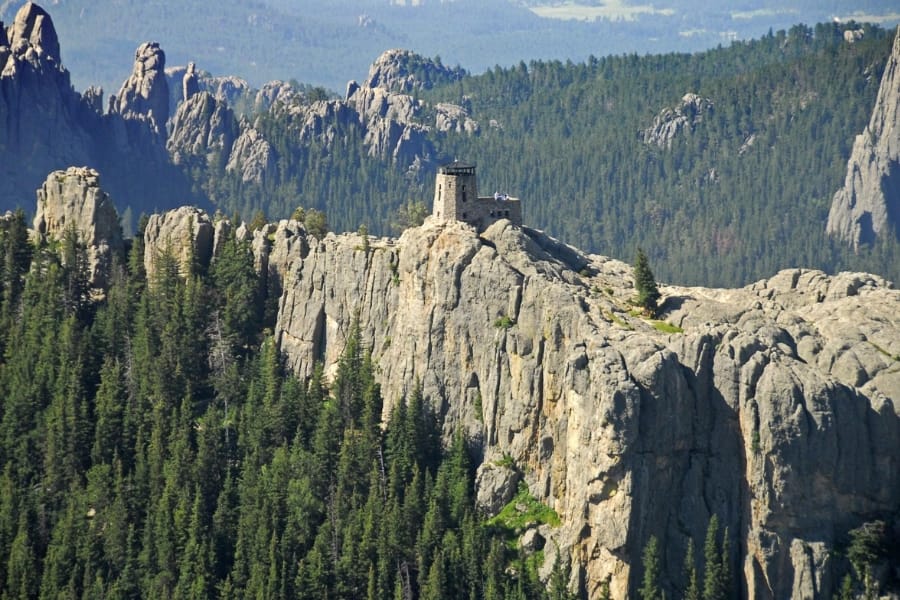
(456, 198)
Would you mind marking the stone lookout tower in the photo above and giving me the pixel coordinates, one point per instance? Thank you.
(456, 199)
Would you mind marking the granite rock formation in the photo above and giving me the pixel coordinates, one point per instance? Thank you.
(868, 206)
(202, 127)
(403, 71)
(72, 201)
(48, 126)
(773, 409)
(671, 122)
(145, 94)
(45, 124)
(184, 235)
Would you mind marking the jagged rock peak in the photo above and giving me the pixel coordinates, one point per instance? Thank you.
(190, 83)
(145, 94)
(670, 122)
(400, 70)
(868, 205)
(72, 200)
(202, 126)
(33, 30)
(184, 235)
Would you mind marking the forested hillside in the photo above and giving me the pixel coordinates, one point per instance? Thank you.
(742, 193)
(736, 195)
(153, 445)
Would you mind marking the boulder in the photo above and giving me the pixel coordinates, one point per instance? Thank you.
(495, 486)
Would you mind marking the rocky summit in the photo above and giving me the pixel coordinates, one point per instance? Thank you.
(868, 206)
(771, 407)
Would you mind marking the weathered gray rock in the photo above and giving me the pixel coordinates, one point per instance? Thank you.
(228, 89)
(495, 486)
(184, 234)
(532, 541)
(451, 117)
(670, 122)
(190, 83)
(253, 157)
(202, 127)
(391, 123)
(773, 410)
(72, 201)
(145, 94)
(404, 71)
(868, 206)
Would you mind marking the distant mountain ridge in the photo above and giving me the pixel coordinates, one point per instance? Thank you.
(733, 187)
(328, 42)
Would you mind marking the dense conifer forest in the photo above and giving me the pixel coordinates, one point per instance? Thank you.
(738, 196)
(153, 446)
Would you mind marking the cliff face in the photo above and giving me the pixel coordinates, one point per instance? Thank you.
(868, 205)
(773, 409)
(43, 122)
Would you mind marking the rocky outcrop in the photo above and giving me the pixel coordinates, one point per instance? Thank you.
(43, 123)
(868, 206)
(452, 117)
(671, 122)
(392, 124)
(203, 127)
(404, 72)
(773, 408)
(145, 94)
(253, 157)
(229, 89)
(184, 235)
(72, 201)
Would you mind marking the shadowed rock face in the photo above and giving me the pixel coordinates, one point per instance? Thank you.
(773, 409)
(145, 94)
(40, 114)
(868, 206)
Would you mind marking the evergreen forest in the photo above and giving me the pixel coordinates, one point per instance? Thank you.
(743, 192)
(153, 446)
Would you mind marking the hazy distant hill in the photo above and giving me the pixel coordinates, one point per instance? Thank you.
(327, 42)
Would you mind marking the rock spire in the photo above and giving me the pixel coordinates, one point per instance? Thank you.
(868, 206)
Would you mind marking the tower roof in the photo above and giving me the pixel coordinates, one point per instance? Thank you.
(457, 168)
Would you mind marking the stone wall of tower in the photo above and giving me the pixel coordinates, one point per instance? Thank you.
(454, 195)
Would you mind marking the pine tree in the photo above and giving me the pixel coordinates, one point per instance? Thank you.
(712, 574)
(692, 592)
(650, 589)
(645, 284)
